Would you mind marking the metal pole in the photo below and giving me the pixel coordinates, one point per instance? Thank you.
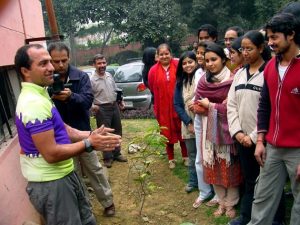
(52, 20)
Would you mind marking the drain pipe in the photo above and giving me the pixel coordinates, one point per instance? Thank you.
(22, 17)
(52, 20)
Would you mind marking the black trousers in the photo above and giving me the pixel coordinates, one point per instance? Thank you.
(109, 115)
(250, 169)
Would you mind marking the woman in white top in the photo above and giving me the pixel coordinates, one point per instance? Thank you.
(205, 190)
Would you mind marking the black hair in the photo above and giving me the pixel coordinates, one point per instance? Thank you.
(202, 44)
(236, 44)
(217, 49)
(239, 31)
(22, 58)
(293, 8)
(98, 56)
(210, 29)
(181, 76)
(285, 23)
(257, 38)
(148, 60)
(59, 46)
(164, 45)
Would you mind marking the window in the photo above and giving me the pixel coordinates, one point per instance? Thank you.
(9, 89)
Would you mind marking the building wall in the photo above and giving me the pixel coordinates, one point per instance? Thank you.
(19, 20)
(15, 207)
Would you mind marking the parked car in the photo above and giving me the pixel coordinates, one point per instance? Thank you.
(91, 70)
(129, 78)
(112, 69)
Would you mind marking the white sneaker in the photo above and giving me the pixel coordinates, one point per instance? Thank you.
(186, 162)
(172, 164)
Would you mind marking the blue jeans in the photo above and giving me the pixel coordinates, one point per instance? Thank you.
(192, 151)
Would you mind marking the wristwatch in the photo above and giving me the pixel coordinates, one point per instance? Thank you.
(88, 145)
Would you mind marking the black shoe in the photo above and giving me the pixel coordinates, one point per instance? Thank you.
(237, 221)
(110, 211)
(277, 223)
(121, 158)
(108, 163)
(189, 188)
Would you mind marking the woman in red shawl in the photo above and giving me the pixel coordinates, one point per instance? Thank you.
(162, 80)
(220, 160)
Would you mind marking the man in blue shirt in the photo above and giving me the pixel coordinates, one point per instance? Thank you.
(73, 104)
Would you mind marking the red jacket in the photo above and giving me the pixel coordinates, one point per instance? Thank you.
(284, 105)
(163, 86)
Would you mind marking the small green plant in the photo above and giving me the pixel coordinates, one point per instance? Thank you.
(150, 145)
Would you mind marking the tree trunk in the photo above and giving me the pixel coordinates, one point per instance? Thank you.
(106, 39)
(73, 50)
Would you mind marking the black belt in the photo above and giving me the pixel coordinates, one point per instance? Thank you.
(107, 104)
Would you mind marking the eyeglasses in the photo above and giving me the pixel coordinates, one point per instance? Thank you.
(245, 50)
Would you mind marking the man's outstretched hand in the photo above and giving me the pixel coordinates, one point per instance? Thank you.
(102, 139)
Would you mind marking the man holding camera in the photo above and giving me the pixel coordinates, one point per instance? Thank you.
(73, 104)
(106, 105)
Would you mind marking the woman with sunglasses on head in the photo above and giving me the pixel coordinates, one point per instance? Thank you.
(242, 105)
(162, 80)
(220, 160)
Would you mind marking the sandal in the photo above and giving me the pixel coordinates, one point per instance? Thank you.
(197, 203)
(220, 211)
(213, 202)
(230, 212)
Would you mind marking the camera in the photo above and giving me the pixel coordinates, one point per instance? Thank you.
(58, 85)
(119, 95)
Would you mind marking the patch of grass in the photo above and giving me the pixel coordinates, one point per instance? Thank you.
(136, 126)
(180, 170)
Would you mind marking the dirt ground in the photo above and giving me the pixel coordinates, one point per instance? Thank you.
(169, 205)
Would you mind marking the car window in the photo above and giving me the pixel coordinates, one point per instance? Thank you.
(111, 71)
(129, 73)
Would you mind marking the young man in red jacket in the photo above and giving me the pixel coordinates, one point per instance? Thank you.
(278, 142)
